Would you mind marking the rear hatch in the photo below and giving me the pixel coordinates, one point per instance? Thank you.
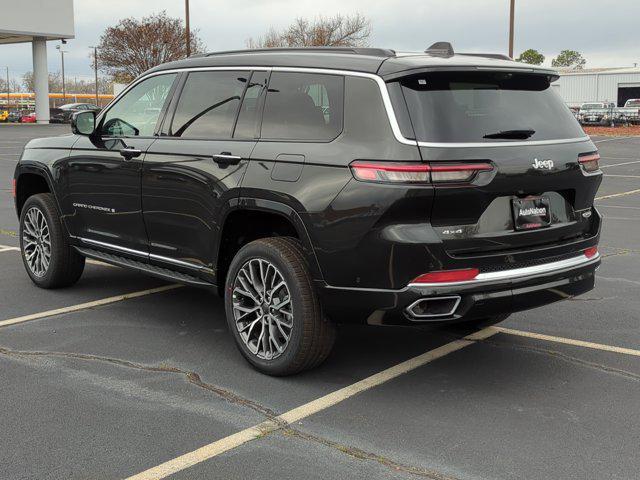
(537, 196)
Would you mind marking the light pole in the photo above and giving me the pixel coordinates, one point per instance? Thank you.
(95, 69)
(188, 31)
(64, 91)
(511, 21)
(7, 87)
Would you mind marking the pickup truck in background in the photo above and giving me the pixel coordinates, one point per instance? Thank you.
(630, 113)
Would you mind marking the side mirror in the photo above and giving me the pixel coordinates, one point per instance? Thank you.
(83, 123)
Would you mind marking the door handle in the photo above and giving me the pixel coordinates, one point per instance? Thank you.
(225, 158)
(128, 153)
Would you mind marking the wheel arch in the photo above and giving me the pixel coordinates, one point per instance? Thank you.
(31, 180)
(286, 222)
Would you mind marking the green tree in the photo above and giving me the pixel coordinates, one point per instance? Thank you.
(570, 59)
(531, 56)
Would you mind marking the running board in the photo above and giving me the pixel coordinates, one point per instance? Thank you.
(163, 273)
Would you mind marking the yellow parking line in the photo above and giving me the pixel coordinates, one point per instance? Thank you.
(567, 341)
(621, 194)
(84, 306)
(228, 443)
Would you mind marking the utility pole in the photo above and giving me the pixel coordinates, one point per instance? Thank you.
(64, 91)
(7, 88)
(95, 69)
(511, 21)
(188, 31)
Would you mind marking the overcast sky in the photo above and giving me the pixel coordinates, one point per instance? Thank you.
(606, 32)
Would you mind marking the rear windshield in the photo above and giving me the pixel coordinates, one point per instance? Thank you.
(456, 107)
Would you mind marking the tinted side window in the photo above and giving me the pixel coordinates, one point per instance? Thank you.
(137, 112)
(208, 104)
(247, 125)
(303, 106)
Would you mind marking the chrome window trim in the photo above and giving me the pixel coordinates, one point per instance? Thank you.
(386, 100)
(515, 273)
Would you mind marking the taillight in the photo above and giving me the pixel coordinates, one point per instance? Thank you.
(448, 276)
(396, 172)
(390, 172)
(457, 172)
(591, 252)
(590, 161)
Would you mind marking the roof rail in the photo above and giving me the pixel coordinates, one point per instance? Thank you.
(375, 52)
(498, 56)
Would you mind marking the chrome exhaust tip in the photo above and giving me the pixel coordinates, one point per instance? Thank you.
(433, 308)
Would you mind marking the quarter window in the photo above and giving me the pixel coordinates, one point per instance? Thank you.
(208, 104)
(303, 107)
(137, 112)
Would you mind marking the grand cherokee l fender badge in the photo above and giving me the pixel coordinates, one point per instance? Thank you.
(94, 207)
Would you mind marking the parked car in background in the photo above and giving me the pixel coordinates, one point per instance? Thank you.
(70, 108)
(630, 113)
(28, 118)
(597, 113)
(57, 115)
(4, 115)
(14, 116)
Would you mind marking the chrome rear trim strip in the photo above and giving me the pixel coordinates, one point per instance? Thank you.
(575, 262)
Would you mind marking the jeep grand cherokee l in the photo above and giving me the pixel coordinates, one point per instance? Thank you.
(315, 186)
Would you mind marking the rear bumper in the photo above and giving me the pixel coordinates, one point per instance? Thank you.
(490, 294)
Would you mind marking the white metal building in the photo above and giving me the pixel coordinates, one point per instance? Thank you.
(599, 84)
(37, 21)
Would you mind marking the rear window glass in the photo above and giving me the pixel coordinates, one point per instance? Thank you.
(448, 107)
(303, 107)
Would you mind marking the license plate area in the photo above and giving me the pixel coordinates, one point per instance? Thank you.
(531, 213)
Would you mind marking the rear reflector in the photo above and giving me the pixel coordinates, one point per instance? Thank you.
(591, 252)
(448, 276)
(590, 161)
(13, 187)
(396, 172)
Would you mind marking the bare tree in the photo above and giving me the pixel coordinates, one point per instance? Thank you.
(134, 46)
(336, 31)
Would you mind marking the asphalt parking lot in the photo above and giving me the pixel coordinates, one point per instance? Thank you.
(123, 375)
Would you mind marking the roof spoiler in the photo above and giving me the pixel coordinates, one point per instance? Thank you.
(440, 49)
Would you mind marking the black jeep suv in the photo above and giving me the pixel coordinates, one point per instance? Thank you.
(317, 186)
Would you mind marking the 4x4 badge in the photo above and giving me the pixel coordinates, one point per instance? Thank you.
(542, 164)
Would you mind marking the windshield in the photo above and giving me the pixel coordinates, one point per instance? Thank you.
(448, 107)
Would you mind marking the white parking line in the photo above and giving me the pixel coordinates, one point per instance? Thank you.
(618, 206)
(619, 164)
(228, 443)
(84, 306)
(623, 176)
(4, 248)
(621, 194)
(567, 341)
(614, 138)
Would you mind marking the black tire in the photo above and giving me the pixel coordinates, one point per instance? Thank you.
(65, 265)
(311, 336)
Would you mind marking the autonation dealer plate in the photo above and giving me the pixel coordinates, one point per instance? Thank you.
(531, 212)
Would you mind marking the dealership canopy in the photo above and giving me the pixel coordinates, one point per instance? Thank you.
(37, 21)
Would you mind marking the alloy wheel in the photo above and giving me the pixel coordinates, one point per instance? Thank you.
(262, 309)
(36, 242)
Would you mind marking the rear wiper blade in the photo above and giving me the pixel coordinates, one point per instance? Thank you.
(515, 134)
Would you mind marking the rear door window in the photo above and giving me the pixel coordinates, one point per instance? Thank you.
(208, 104)
(453, 107)
(303, 107)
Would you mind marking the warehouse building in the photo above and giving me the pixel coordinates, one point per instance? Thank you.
(599, 85)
